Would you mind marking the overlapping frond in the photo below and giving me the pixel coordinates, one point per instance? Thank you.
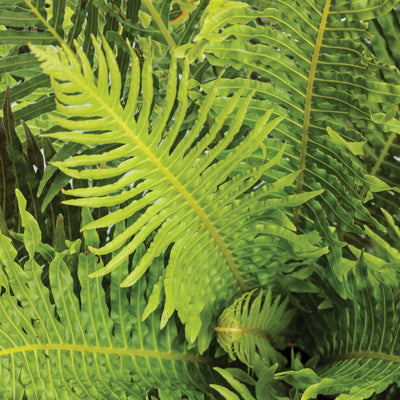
(183, 189)
(262, 385)
(41, 23)
(382, 155)
(356, 338)
(59, 344)
(22, 167)
(307, 61)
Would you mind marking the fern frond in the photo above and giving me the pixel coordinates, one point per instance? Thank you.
(262, 384)
(22, 167)
(356, 338)
(306, 60)
(254, 326)
(241, 389)
(383, 151)
(183, 189)
(29, 21)
(55, 343)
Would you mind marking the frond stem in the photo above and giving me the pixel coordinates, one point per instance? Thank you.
(307, 105)
(44, 21)
(236, 331)
(159, 22)
(163, 29)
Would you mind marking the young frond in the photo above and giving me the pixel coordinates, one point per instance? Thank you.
(254, 325)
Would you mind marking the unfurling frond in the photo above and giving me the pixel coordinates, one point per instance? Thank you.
(254, 325)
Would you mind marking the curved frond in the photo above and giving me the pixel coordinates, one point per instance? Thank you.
(58, 344)
(229, 376)
(307, 61)
(263, 384)
(356, 338)
(254, 326)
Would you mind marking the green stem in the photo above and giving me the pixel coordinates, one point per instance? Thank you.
(44, 22)
(163, 29)
(157, 19)
(129, 352)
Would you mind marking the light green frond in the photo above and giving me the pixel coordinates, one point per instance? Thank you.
(263, 385)
(58, 344)
(183, 189)
(232, 376)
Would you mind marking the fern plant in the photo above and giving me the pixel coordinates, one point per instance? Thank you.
(205, 160)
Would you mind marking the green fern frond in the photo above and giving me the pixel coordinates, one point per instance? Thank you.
(184, 191)
(307, 60)
(32, 22)
(254, 326)
(241, 389)
(356, 339)
(382, 154)
(262, 386)
(57, 343)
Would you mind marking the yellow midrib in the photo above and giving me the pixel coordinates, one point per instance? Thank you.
(67, 347)
(308, 100)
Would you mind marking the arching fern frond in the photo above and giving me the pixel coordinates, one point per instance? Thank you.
(183, 188)
(254, 325)
(54, 344)
(356, 339)
(307, 60)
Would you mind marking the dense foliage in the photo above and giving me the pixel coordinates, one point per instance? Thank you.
(199, 199)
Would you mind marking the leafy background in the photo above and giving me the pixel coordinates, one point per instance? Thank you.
(234, 162)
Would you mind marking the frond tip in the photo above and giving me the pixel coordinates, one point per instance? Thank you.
(253, 326)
